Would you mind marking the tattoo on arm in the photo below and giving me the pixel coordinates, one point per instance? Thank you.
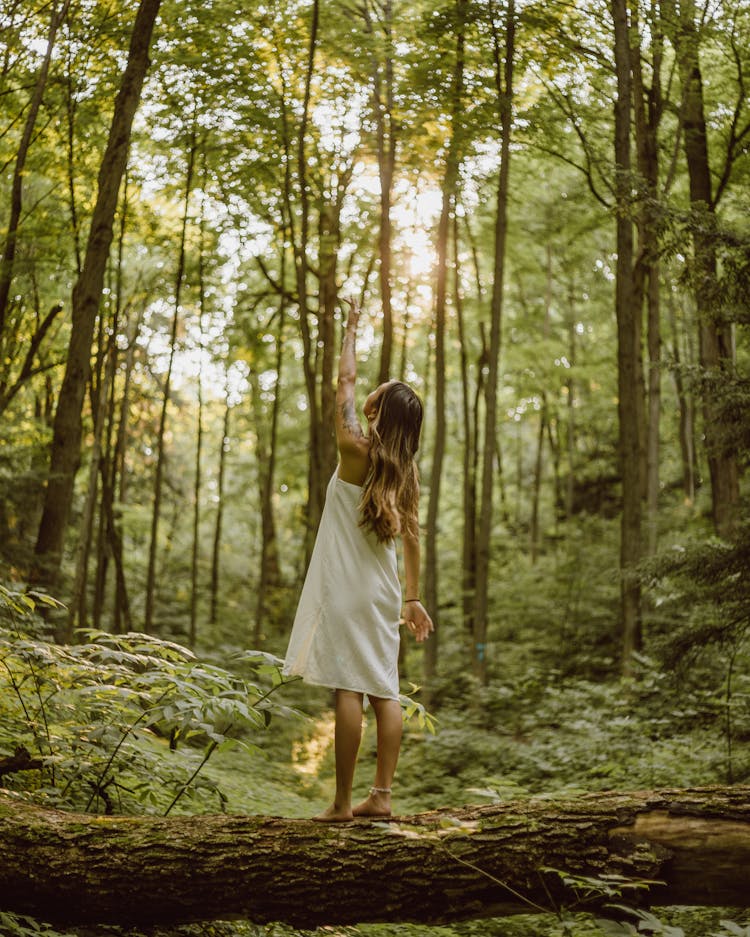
(349, 419)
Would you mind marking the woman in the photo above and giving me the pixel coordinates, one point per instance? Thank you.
(346, 630)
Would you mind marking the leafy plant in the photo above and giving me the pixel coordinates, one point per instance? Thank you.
(124, 721)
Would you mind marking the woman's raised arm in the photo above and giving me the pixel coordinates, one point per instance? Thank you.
(349, 435)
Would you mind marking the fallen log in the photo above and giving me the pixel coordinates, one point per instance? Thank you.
(451, 864)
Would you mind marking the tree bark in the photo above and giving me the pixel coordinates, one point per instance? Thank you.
(16, 193)
(216, 549)
(471, 427)
(450, 179)
(686, 407)
(647, 109)
(269, 576)
(627, 352)
(714, 332)
(195, 548)
(300, 238)
(148, 616)
(504, 88)
(385, 125)
(66, 442)
(436, 867)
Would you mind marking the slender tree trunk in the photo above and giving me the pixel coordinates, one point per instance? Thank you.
(195, 550)
(329, 243)
(504, 88)
(716, 352)
(160, 453)
(70, 113)
(270, 569)
(469, 451)
(450, 179)
(216, 551)
(685, 405)
(66, 442)
(536, 492)
(107, 465)
(627, 352)
(571, 410)
(534, 536)
(647, 110)
(553, 439)
(316, 470)
(77, 617)
(16, 190)
(120, 482)
(382, 106)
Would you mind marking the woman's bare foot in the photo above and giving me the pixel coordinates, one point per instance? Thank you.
(377, 804)
(335, 814)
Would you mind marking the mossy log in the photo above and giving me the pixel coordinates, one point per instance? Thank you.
(690, 846)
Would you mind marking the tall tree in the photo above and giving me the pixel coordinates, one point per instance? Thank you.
(648, 107)
(447, 208)
(167, 389)
(202, 317)
(66, 442)
(503, 52)
(380, 33)
(16, 198)
(628, 349)
(715, 343)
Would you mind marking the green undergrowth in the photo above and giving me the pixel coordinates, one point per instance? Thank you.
(659, 922)
(132, 724)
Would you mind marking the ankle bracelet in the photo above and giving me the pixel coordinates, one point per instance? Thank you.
(380, 790)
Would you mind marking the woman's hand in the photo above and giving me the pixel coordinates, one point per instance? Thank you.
(354, 311)
(416, 619)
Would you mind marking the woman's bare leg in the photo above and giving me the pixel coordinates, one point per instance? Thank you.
(388, 715)
(346, 742)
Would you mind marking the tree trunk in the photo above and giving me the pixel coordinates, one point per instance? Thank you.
(300, 242)
(450, 179)
(216, 551)
(382, 106)
(269, 577)
(570, 428)
(504, 88)
(544, 424)
(627, 353)
(329, 244)
(66, 442)
(195, 548)
(647, 109)
(77, 614)
(714, 334)
(107, 463)
(16, 192)
(156, 509)
(686, 408)
(469, 414)
(437, 867)
(119, 480)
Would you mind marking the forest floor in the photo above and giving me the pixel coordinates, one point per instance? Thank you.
(462, 763)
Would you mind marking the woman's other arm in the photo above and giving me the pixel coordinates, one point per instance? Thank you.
(413, 612)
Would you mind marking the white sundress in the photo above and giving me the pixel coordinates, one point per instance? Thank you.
(346, 629)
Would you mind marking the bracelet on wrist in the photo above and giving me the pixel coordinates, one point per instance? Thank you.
(406, 601)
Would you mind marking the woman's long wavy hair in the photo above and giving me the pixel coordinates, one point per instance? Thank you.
(390, 496)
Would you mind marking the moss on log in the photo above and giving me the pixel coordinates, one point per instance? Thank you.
(434, 867)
